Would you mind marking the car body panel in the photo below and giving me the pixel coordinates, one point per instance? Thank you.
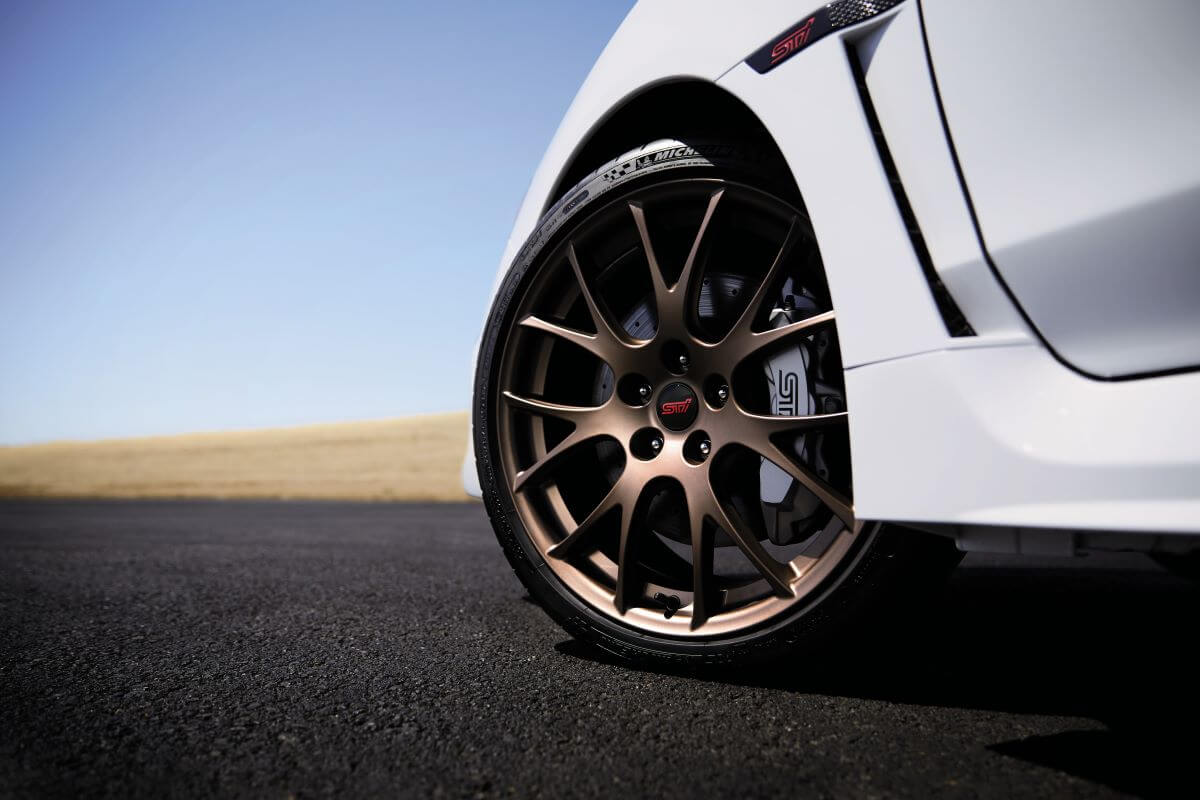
(897, 76)
(1076, 124)
(1008, 436)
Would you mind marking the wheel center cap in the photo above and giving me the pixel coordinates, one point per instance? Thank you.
(677, 406)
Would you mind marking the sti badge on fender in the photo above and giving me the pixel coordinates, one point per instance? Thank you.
(815, 26)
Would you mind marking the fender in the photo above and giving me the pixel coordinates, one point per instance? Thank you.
(656, 44)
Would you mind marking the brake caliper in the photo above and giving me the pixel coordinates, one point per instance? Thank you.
(787, 373)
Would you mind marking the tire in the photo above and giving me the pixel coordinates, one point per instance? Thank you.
(872, 566)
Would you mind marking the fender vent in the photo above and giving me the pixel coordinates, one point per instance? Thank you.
(952, 316)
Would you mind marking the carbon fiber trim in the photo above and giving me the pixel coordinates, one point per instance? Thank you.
(848, 12)
(814, 27)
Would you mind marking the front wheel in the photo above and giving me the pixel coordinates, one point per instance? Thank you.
(661, 419)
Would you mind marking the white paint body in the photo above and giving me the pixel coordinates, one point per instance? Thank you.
(1078, 125)
(992, 429)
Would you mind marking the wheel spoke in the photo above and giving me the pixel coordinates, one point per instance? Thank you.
(541, 469)
(672, 303)
(623, 494)
(662, 293)
(604, 330)
(625, 559)
(605, 344)
(772, 424)
(591, 342)
(778, 575)
(839, 505)
(702, 564)
(742, 340)
(580, 415)
(747, 343)
(586, 419)
(684, 285)
(746, 320)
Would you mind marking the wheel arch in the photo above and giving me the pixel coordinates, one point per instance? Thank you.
(681, 108)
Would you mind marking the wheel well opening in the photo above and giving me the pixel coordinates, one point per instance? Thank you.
(684, 110)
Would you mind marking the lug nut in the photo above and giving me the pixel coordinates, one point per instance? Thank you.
(656, 444)
(684, 361)
(723, 394)
(644, 391)
(705, 447)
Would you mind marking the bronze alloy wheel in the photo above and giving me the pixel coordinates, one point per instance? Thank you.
(662, 427)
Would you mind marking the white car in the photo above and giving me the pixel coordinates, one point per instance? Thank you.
(799, 307)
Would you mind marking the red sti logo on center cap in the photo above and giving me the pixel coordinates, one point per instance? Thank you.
(676, 407)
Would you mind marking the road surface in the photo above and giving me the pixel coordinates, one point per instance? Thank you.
(309, 649)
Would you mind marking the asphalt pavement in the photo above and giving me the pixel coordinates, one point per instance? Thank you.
(310, 649)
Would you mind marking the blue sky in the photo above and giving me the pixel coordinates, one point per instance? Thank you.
(243, 214)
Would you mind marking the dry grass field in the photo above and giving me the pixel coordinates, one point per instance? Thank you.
(414, 458)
